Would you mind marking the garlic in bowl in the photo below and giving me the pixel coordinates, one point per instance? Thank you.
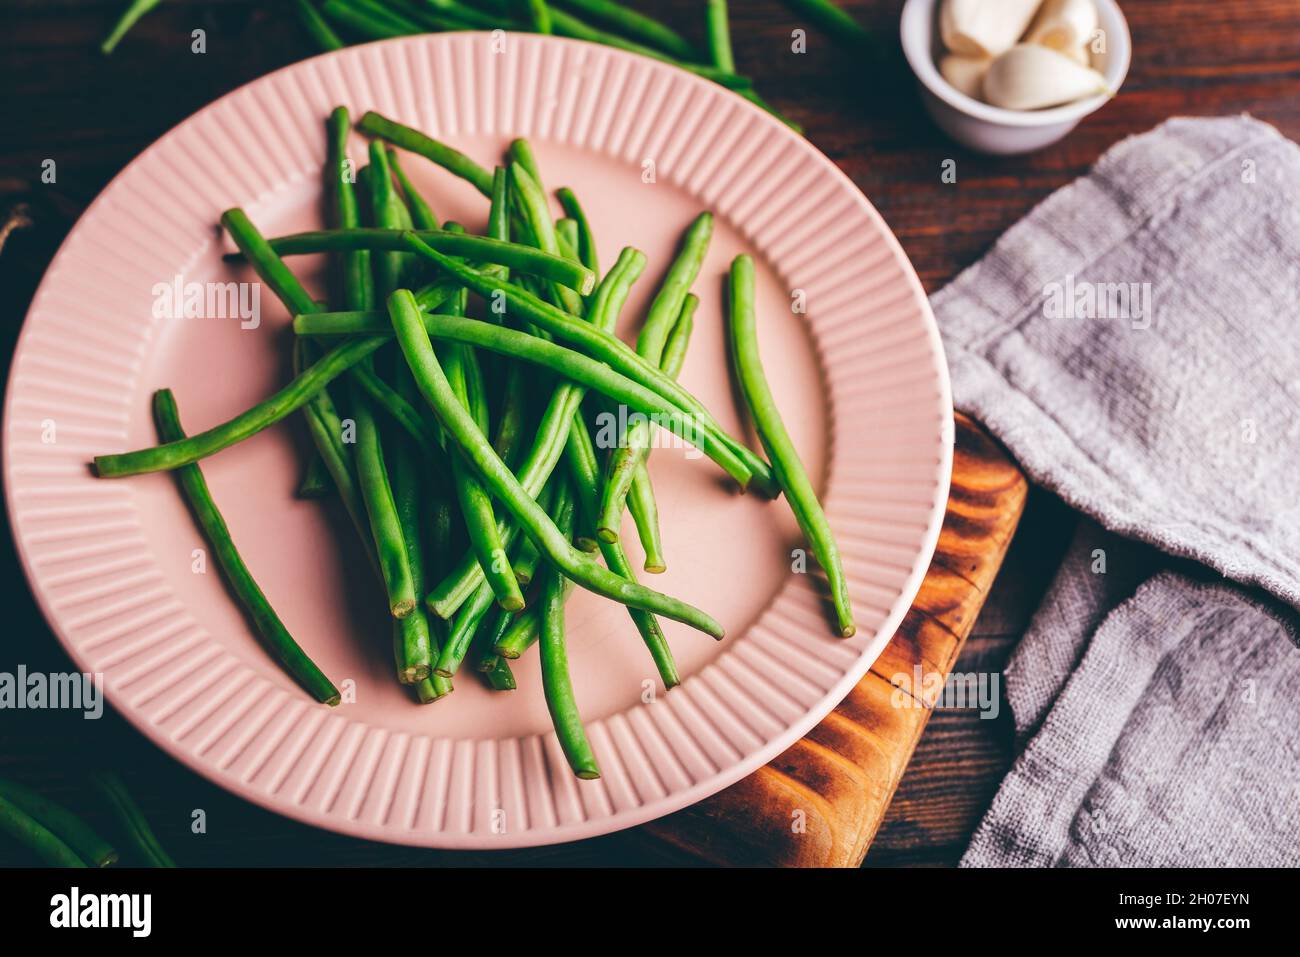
(1010, 76)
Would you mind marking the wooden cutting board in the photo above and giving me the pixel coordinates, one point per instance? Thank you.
(820, 802)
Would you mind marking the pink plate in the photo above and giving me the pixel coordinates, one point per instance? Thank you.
(860, 376)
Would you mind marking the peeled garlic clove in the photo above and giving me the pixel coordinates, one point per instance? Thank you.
(1079, 55)
(1030, 77)
(965, 73)
(1064, 25)
(984, 27)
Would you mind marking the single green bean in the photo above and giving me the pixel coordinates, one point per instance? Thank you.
(472, 18)
(386, 14)
(263, 617)
(460, 427)
(719, 33)
(524, 259)
(566, 234)
(377, 493)
(499, 676)
(520, 636)
(556, 683)
(387, 266)
(475, 502)
(134, 11)
(568, 25)
(412, 639)
(316, 27)
(171, 455)
(29, 832)
(421, 212)
(586, 241)
(72, 830)
(265, 260)
(360, 21)
(132, 819)
(771, 430)
(439, 153)
(527, 190)
(635, 25)
(641, 497)
(327, 433)
(539, 15)
(841, 26)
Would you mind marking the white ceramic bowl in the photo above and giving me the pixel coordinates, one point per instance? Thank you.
(991, 129)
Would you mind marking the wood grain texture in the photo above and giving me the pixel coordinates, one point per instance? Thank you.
(91, 114)
(820, 803)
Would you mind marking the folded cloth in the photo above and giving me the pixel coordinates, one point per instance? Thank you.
(1133, 342)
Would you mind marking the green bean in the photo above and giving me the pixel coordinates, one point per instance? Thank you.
(499, 676)
(566, 234)
(524, 259)
(316, 26)
(583, 370)
(556, 684)
(601, 345)
(499, 211)
(134, 11)
(29, 832)
(636, 25)
(439, 153)
(460, 427)
(771, 430)
(377, 494)
(586, 242)
(580, 455)
(551, 435)
(641, 499)
(839, 24)
(263, 617)
(719, 32)
(475, 503)
(462, 629)
(471, 614)
(327, 434)
(427, 19)
(537, 215)
(472, 18)
(539, 15)
(171, 455)
(363, 22)
(72, 830)
(431, 689)
(132, 819)
(344, 208)
(387, 266)
(421, 212)
(386, 14)
(568, 25)
(520, 636)
(264, 258)
(412, 639)
(663, 313)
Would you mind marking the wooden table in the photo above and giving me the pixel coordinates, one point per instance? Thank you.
(62, 101)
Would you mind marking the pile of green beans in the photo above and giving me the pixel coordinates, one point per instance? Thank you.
(460, 442)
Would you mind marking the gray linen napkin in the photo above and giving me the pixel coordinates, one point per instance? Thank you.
(1134, 342)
